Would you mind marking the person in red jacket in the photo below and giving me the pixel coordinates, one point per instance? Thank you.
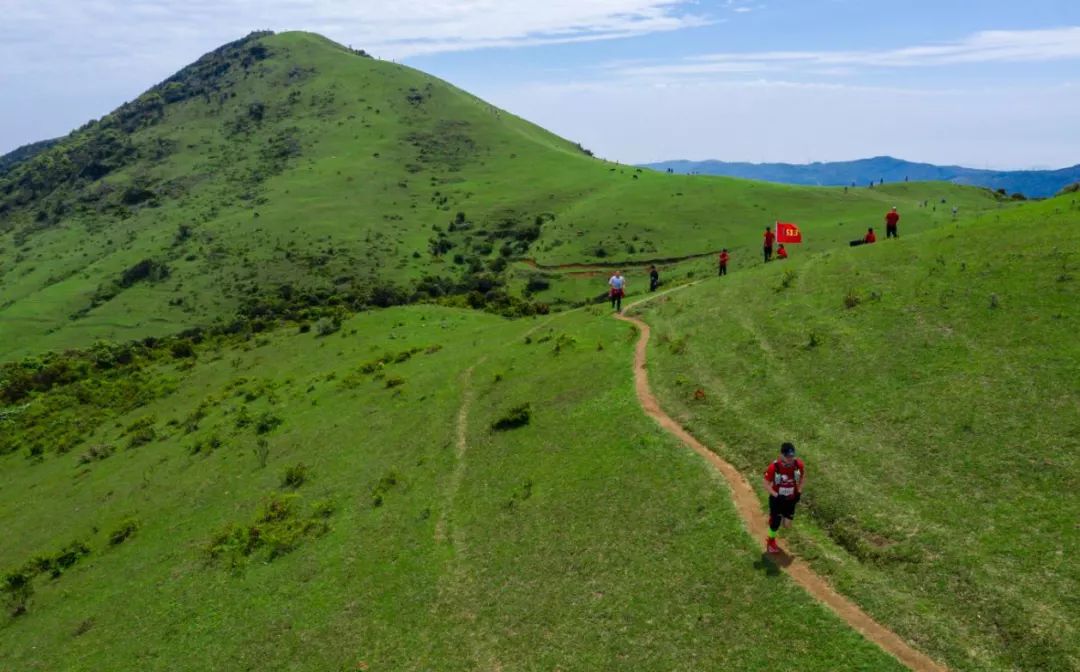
(870, 237)
(785, 479)
(891, 220)
(769, 238)
(724, 256)
(781, 252)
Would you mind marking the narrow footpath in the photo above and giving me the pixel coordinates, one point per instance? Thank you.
(746, 502)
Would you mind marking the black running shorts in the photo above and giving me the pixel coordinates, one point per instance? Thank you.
(783, 506)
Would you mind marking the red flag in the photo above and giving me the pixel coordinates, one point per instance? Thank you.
(786, 232)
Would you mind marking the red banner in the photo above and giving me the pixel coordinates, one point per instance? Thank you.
(786, 232)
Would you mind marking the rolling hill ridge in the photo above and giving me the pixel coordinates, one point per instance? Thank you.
(285, 176)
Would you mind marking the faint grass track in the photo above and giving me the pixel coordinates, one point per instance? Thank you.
(461, 443)
(746, 502)
(461, 446)
(455, 585)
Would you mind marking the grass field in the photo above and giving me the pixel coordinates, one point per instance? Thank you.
(586, 539)
(933, 384)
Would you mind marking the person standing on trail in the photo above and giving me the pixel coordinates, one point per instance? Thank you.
(781, 252)
(617, 283)
(769, 238)
(785, 479)
(654, 278)
(891, 220)
(724, 256)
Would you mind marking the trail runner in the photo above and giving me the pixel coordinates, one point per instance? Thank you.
(785, 479)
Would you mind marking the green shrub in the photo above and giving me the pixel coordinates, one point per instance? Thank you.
(562, 342)
(279, 529)
(261, 451)
(95, 453)
(267, 423)
(385, 484)
(56, 564)
(518, 416)
(182, 350)
(146, 270)
(537, 283)
(295, 476)
(18, 588)
(123, 532)
(323, 509)
(851, 299)
(141, 433)
(205, 447)
(327, 325)
(394, 381)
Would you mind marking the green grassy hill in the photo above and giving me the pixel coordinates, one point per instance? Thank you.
(934, 386)
(305, 483)
(285, 174)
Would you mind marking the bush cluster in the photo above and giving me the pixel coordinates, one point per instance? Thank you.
(518, 416)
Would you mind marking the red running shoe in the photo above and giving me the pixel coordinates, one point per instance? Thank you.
(771, 547)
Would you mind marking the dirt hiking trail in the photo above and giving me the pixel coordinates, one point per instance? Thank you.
(746, 502)
(614, 265)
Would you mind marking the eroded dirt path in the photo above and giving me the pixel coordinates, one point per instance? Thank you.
(746, 502)
(613, 265)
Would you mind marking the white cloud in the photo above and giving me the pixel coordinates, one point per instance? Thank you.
(388, 28)
(71, 60)
(999, 46)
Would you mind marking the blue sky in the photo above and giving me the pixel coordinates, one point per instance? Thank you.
(987, 84)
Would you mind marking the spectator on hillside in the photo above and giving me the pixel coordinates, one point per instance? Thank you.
(868, 238)
(724, 256)
(781, 252)
(617, 283)
(654, 278)
(891, 220)
(769, 238)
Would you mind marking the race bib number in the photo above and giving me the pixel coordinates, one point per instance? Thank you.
(785, 492)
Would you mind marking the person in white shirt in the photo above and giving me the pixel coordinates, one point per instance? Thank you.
(617, 283)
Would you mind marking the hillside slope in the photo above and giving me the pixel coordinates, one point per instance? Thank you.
(285, 175)
(297, 502)
(933, 386)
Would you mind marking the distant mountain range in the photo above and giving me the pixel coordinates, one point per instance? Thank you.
(1031, 183)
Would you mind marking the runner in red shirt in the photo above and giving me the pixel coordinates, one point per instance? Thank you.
(769, 238)
(891, 220)
(724, 256)
(785, 479)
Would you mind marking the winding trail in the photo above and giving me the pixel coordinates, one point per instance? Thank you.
(746, 502)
